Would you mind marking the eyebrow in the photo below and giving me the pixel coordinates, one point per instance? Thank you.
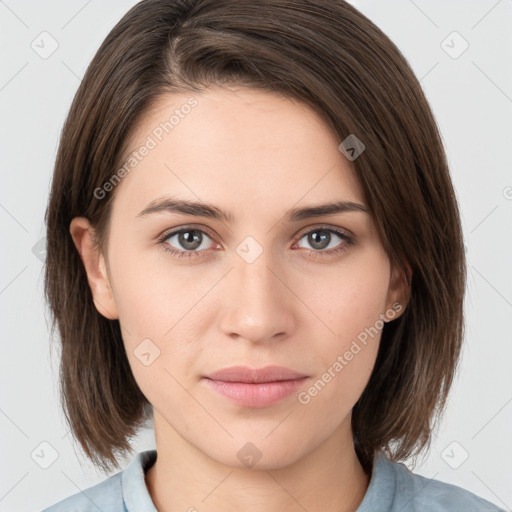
(199, 209)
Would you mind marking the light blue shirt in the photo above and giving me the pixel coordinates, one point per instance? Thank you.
(393, 488)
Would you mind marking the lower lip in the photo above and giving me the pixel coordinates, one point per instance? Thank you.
(263, 394)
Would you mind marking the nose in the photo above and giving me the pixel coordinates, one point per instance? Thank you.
(257, 303)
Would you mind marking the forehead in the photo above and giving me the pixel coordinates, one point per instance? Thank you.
(241, 148)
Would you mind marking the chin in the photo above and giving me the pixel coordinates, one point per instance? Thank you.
(257, 455)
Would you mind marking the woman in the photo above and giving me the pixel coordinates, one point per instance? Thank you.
(253, 238)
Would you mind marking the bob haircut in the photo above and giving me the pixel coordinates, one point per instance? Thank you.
(332, 58)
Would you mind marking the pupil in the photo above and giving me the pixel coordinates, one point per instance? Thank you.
(318, 241)
(188, 242)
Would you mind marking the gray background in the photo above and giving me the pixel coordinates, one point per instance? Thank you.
(471, 95)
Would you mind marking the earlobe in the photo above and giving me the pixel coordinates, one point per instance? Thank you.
(83, 235)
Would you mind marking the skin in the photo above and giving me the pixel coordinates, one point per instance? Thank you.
(256, 155)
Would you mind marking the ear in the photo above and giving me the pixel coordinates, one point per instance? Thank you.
(399, 292)
(83, 235)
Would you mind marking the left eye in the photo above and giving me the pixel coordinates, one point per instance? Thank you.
(320, 238)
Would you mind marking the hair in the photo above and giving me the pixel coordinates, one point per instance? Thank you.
(333, 59)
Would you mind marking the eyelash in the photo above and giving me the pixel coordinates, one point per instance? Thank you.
(195, 254)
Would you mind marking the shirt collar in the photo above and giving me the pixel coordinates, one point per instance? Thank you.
(135, 493)
(382, 487)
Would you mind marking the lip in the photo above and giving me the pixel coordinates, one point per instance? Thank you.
(255, 387)
(255, 375)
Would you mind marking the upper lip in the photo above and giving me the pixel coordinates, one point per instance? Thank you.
(255, 375)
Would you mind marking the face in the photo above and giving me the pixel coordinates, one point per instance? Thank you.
(255, 283)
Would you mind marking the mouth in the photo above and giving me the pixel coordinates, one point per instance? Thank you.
(255, 375)
(255, 387)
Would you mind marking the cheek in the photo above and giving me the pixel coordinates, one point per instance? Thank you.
(159, 309)
(152, 296)
(348, 307)
(348, 299)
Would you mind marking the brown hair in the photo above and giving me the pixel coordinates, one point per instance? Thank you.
(332, 58)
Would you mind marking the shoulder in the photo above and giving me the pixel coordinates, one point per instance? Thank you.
(430, 494)
(126, 490)
(105, 496)
(406, 491)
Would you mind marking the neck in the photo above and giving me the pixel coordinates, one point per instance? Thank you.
(330, 478)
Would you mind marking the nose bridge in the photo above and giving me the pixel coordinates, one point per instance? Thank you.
(260, 302)
(255, 272)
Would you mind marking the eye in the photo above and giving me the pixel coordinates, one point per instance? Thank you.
(188, 242)
(322, 238)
